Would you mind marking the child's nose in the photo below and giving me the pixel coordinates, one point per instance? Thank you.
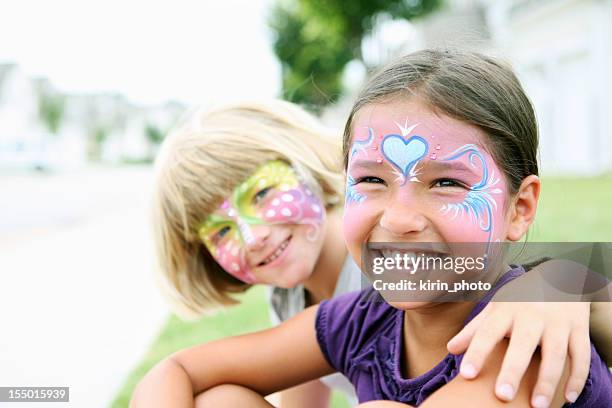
(400, 219)
(258, 236)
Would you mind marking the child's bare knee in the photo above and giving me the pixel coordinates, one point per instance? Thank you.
(229, 395)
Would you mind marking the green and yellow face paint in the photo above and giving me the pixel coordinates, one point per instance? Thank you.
(273, 195)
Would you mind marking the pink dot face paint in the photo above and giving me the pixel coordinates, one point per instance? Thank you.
(422, 176)
(273, 195)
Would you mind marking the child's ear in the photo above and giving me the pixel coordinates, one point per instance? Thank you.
(523, 208)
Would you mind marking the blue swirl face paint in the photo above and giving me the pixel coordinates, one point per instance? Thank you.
(479, 203)
(359, 146)
(352, 195)
(362, 145)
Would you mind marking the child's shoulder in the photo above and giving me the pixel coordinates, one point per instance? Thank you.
(363, 308)
(350, 322)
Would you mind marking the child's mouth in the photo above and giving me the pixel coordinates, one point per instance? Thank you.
(399, 256)
(277, 252)
(394, 253)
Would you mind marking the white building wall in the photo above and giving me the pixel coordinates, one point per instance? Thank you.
(561, 50)
(21, 137)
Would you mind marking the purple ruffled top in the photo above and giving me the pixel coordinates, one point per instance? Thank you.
(360, 335)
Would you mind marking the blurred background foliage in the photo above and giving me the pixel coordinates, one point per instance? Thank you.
(51, 107)
(315, 40)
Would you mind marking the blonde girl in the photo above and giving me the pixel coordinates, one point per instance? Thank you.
(251, 193)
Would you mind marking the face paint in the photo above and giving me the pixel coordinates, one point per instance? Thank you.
(272, 195)
(479, 203)
(359, 146)
(401, 152)
(434, 165)
(404, 155)
(352, 195)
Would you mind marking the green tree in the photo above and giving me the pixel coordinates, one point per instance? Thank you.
(98, 134)
(315, 39)
(51, 108)
(154, 134)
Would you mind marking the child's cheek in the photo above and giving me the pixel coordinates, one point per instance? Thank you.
(463, 229)
(227, 256)
(357, 224)
(230, 256)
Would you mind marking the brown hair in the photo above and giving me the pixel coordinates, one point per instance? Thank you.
(468, 86)
(200, 164)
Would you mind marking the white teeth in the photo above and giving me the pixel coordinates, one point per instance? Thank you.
(392, 253)
(276, 253)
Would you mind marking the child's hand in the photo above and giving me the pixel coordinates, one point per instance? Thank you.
(558, 328)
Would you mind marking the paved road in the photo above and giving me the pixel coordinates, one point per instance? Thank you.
(78, 303)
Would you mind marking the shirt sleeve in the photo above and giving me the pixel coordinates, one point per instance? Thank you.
(345, 324)
(597, 391)
(285, 303)
(273, 302)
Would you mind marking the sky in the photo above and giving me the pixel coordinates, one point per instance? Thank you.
(196, 52)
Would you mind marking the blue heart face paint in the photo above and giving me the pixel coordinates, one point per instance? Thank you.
(404, 154)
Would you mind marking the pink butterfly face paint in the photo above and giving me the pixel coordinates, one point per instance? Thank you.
(430, 173)
(272, 195)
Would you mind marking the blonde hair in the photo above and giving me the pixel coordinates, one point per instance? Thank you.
(202, 161)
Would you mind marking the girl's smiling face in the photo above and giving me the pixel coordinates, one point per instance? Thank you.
(417, 176)
(269, 230)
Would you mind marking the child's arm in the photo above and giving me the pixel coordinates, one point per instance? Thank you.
(478, 392)
(265, 362)
(383, 404)
(557, 328)
(554, 326)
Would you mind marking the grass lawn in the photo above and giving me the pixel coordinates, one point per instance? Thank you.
(574, 210)
(570, 210)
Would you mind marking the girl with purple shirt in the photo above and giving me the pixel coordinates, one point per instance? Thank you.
(440, 147)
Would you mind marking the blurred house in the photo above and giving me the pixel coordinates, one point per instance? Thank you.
(143, 129)
(561, 51)
(22, 138)
(42, 128)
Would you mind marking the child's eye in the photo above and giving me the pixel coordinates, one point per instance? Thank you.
(446, 182)
(370, 179)
(261, 194)
(218, 236)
